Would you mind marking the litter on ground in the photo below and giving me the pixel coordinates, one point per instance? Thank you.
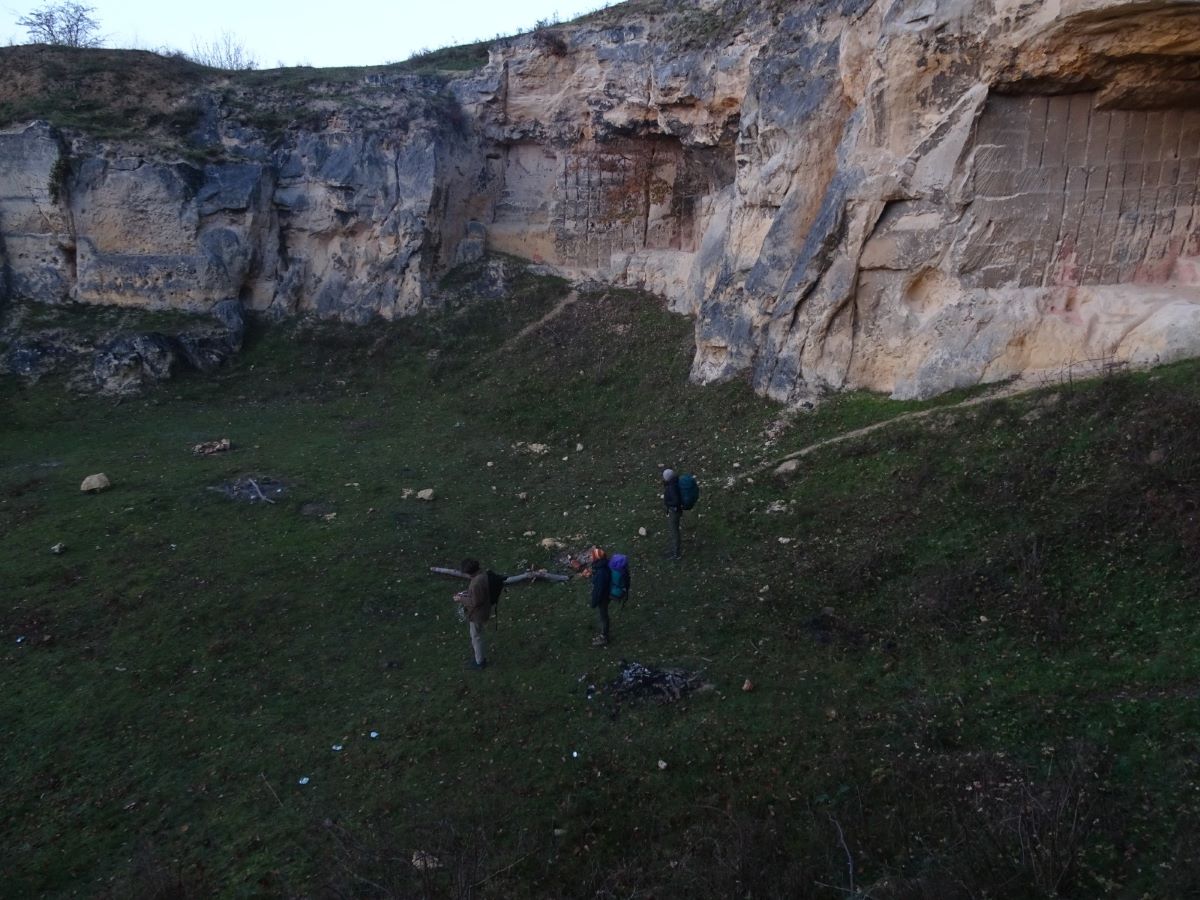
(637, 682)
(251, 489)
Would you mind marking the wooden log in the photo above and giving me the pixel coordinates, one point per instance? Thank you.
(512, 579)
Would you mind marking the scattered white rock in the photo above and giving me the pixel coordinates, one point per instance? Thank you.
(747, 685)
(641, 532)
(523, 496)
(94, 484)
(778, 506)
(579, 448)
(336, 748)
(552, 544)
(374, 735)
(791, 467)
(490, 464)
(425, 495)
(406, 493)
(303, 780)
(59, 549)
(424, 862)
(785, 540)
(662, 764)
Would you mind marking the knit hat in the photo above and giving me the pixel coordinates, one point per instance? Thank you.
(668, 474)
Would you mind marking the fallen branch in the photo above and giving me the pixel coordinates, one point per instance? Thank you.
(258, 490)
(263, 776)
(512, 579)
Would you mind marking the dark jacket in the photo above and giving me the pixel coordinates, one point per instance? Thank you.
(479, 599)
(672, 498)
(601, 582)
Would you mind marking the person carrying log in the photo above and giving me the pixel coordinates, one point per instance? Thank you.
(477, 602)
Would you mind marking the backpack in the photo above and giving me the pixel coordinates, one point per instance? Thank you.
(689, 490)
(618, 566)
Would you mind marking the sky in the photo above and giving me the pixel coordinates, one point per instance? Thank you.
(306, 32)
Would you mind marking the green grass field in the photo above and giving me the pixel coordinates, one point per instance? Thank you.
(1002, 702)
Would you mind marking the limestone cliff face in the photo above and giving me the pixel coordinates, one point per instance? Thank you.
(353, 217)
(902, 195)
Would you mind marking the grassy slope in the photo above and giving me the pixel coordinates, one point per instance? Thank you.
(1003, 703)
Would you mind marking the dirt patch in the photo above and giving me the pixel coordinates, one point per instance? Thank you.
(25, 487)
(826, 627)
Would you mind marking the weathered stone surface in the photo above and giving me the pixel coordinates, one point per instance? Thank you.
(94, 484)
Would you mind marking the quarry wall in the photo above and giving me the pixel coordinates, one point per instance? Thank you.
(908, 196)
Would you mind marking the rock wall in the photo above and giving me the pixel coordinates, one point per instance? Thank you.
(354, 220)
(902, 195)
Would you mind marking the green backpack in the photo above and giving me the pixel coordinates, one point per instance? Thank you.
(689, 490)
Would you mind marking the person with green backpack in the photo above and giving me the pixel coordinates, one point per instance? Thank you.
(679, 493)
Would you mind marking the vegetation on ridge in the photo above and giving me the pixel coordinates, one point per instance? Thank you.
(999, 701)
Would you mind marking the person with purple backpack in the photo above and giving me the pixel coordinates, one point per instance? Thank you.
(601, 587)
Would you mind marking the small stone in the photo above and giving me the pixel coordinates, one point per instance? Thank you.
(747, 685)
(425, 495)
(59, 549)
(641, 532)
(94, 484)
(425, 862)
(552, 544)
(785, 540)
(662, 764)
(374, 735)
(560, 832)
(303, 780)
(406, 493)
(791, 467)
(579, 448)
(831, 714)
(523, 496)
(490, 464)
